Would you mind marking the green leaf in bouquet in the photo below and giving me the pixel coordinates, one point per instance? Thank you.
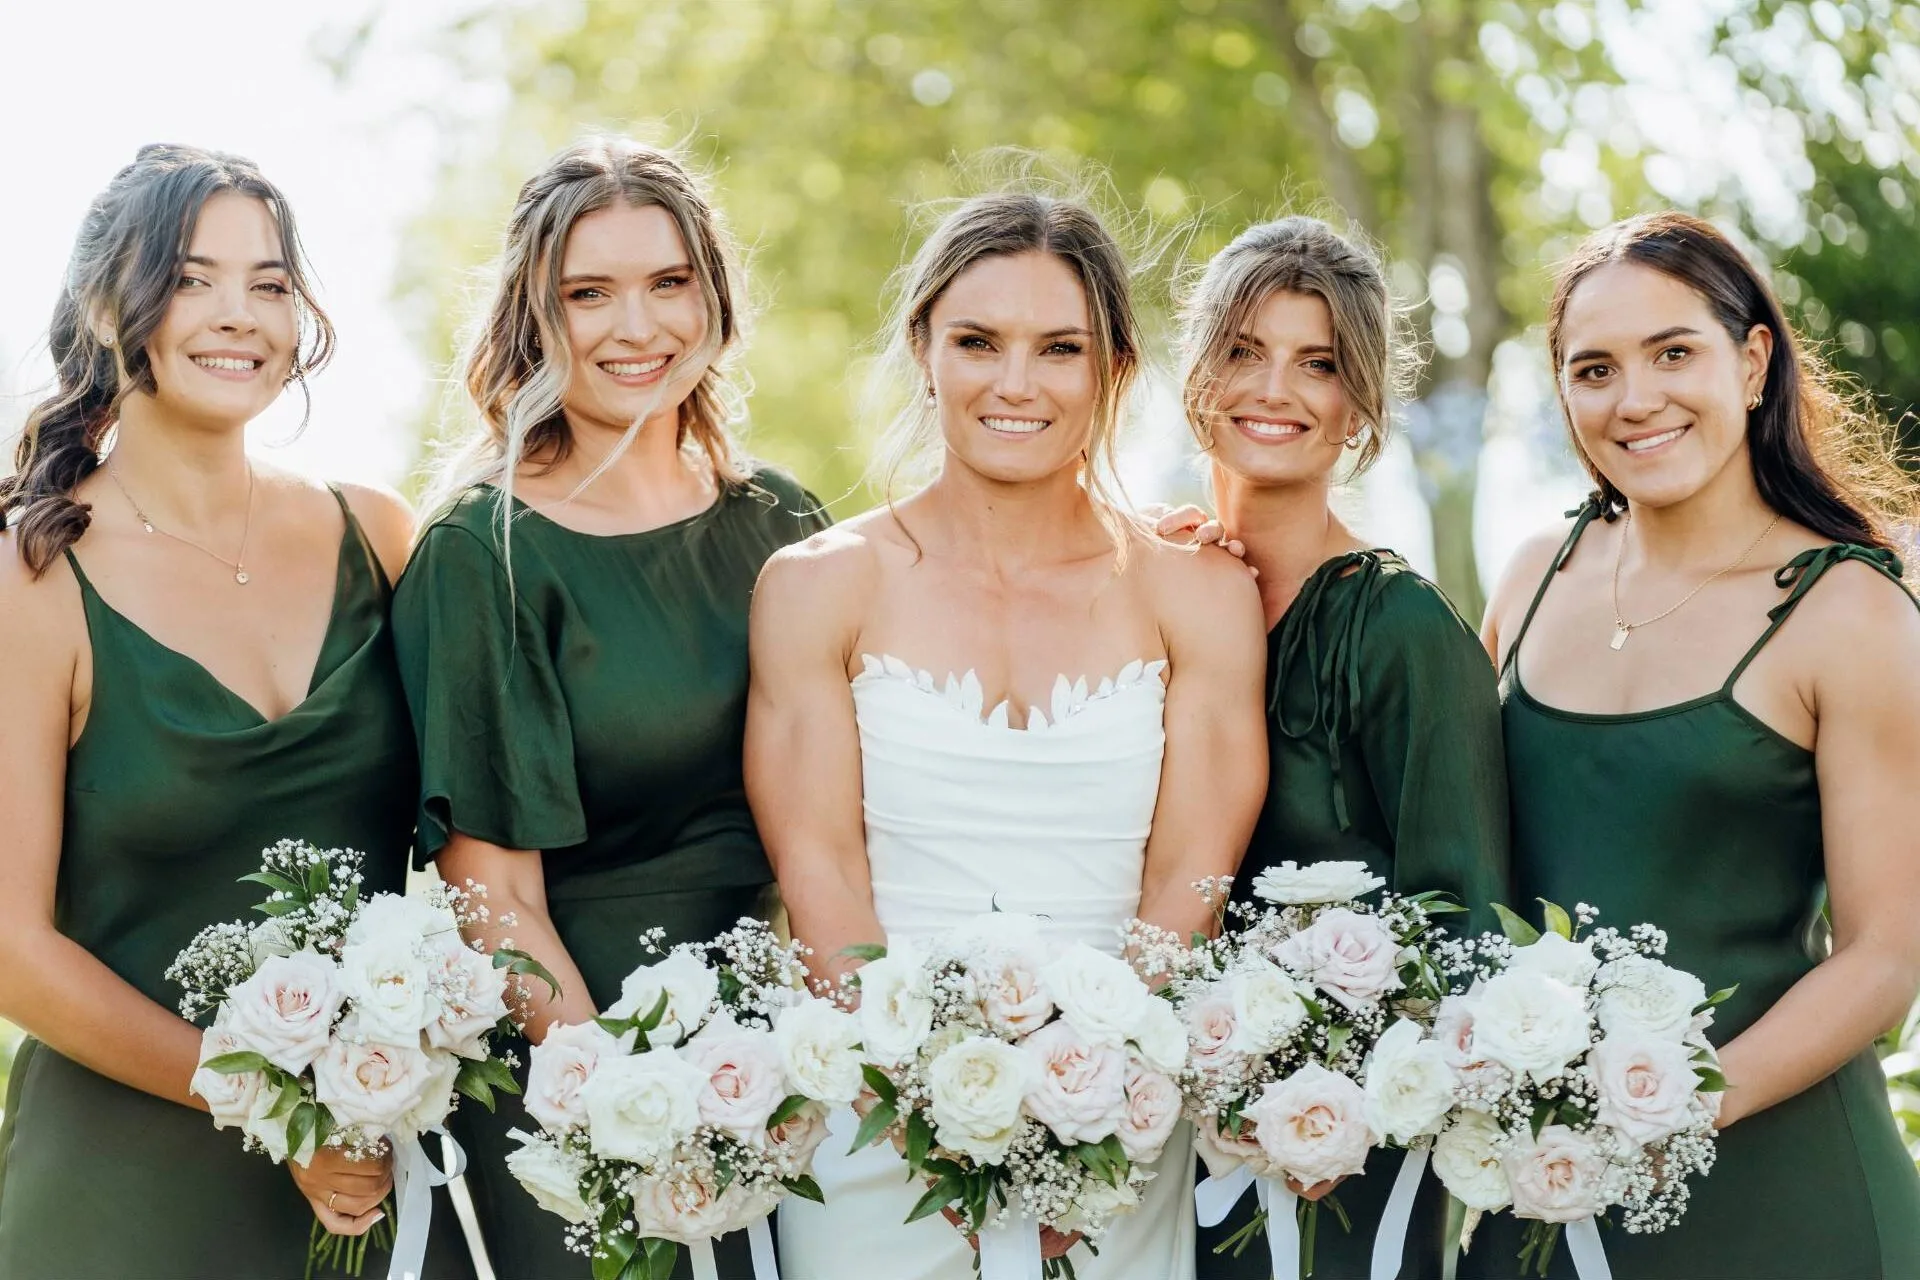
(659, 1257)
(1557, 919)
(318, 876)
(274, 880)
(351, 898)
(523, 965)
(878, 1121)
(789, 1107)
(615, 1027)
(1332, 1201)
(919, 1139)
(723, 1176)
(1518, 931)
(305, 1120)
(1315, 1010)
(1543, 1114)
(277, 908)
(878, 1081)
(1721, 996)
(284, 1104)
(730, 987)
(805, 1187)
(1094, 1157)
(1337, 1038)
(612, 1252)
(228, 1064)
(470, 1082)
(863, 951)
(944, 1188)
(1711, 1081)
(323, 1125)
(1115, 1151)
(652, 1018)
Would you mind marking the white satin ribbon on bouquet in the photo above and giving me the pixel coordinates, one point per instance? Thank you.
(414, 1177)
(1589, 1255)
(1214, 1198)
(1010, 1248)
(759, 1242)
(1390, 1241)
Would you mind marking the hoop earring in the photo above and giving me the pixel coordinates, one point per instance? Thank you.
(931, 398)
(1754, 403)
(1353, 441)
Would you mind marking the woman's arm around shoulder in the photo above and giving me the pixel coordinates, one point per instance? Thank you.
(803, 746)
(1214, 777)
(1513, 594)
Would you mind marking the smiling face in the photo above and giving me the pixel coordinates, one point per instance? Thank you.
(1010, 360)
(225, 347)
(1655, 389)
(635, 318)
(1281, 413)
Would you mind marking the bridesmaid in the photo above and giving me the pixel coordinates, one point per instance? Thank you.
(1687, 750)
(1383, 717)
(573, 626)
(198, 665)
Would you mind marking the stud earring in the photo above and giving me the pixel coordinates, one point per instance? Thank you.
(931, 398)
(106, 339)
(1754, 403)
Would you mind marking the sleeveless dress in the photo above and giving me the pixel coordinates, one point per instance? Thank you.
(965, 814)
(1384, 747)
(172, 791)
(1700, 819)
(592, 709)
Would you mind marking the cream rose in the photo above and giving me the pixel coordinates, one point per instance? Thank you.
(1313, 1125)
(1100, 995)
(1530, 1024)
(1350, 956)
(436, 1100)
(271, 937)
(978, 1086)
(641, 1106)
(472, 998)
(1080, 1089)
(285, 1011)
(386, 977)
(229, 1095)
(1222, 1153)
(1316, 882)
(819, 1047)
(551, 1174)
(799, 1136)
(746, 1080)
(401, 917)
(896, 1007)
(1557, 1177)
(1638, 993)
(1097, 1204)
(1558, 958)
(1162, 1041)
(1210, 1032)
(688, 1209)
(1267, 1007)
(690, 987)
(1466, 1159)
(560, 1066)
(1012, 996)
(365, 1082)
(1152, 1110)
(1645, 1084)
(1409, 1085)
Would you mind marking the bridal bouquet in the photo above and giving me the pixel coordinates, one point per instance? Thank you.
(348, 1023)
(1026, 1082)
(1586, 1081)
(690, 1109)
(1307, 1045)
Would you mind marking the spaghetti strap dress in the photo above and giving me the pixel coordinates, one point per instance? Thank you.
(591, 706)
(1701, 819)
(175, 786)
(1383, 732)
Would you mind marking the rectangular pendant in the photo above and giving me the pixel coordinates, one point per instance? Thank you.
(1620, 635)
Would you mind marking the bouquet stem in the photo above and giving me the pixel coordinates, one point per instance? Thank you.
(329, 1254)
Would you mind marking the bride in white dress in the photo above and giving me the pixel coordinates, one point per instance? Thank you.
(999, 693)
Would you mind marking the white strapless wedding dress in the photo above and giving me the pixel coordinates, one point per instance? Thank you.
(965, 814)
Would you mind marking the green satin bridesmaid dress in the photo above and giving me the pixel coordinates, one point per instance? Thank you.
(172, 791)
(592, 710)
(1701, 819)
(1385, 748)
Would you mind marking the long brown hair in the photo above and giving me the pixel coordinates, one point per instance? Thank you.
(120, 280)
(1821, 455)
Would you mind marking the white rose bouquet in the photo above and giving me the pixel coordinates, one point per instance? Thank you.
(1585, 1080)
(1027, 1082)
(1307, 1020)
(690, 1109)
(349, 1023)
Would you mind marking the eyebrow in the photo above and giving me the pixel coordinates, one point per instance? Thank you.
(601, 277)
(1665, 335)
(266, 264)
(1248, 340)
(1072, 331)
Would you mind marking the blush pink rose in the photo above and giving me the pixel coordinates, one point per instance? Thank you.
(746, 1078)
(1313, 1125)
(1210, 1033)
(560, 1065)
(367, 1083)
(1646, 1085)
(1350, 956)
(1081, 1090)
(1556, 1177)
(1153, 1108)
(285, 1011)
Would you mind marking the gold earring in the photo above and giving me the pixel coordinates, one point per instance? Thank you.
(1754, 403)
(1353, 441)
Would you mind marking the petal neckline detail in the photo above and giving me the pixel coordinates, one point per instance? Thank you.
(964, 693)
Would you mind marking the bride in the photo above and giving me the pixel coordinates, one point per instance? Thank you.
(998, 693)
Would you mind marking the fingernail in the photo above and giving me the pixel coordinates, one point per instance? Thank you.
(378, 1218)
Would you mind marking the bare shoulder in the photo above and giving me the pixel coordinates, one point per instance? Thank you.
(827, 572)
(1184, 580)
(1525, 570)
(42, 618)
(1857, 610)
(386, 518)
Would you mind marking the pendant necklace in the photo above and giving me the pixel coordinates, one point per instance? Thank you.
(1622, 629)
(238, 566)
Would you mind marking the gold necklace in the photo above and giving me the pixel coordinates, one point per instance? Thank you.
(1622, 629)
(239, 566)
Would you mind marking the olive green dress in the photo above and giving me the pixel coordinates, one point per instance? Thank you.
(1702, 820)
(1385, 748)
(172, 791)
(594, 711)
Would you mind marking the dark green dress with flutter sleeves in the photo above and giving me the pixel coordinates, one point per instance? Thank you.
(172, 791)
(1383, 735)
(1700, 819)
(594, 711)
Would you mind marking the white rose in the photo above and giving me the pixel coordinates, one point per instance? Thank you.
(896, 1007)
(1313, 1124)
(1453, 1029)
(1096, 1205)
(977, 1087)
(1267, 1007)
(1315, 882)
(1558, 958)
(1099, 994)
(1222, 1153)
(551, 1175)
(472, 998)
(560, 1065)
(270, 938)
(364, 1082)
(1152, 1110)
(1529, 1024)
(690, 987)
(436, 1100)
(746, 1081)
(819, 1049)
(229, 1095)
(1466, 1159)
(1081, 1089)
(399, 917)
(1409, 1084)
(1558, 1177)
(1638, 993)
(270, 1131)
(1350, 956)
(798, 1137)
(1211, 1024)
(640, 1107)
(1013, 997)
(387, 980)
(285, 1011)
(688, 1208)
(1162, 1041)
(1645, 1085)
